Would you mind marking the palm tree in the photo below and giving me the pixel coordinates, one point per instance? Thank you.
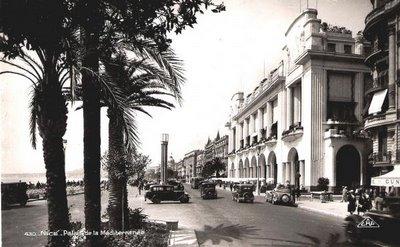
(49, 116)
(143, 79)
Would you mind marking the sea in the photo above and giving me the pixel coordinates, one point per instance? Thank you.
(35, 177)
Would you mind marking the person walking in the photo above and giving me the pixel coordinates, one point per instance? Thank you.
(344, 194)
(231, 185)
(140, 187)
(351, 206)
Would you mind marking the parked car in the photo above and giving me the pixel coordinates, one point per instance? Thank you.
(208, 191)
(159, 193)
(243, 193)
(375, 225)
(13, 193)
(279, 196)
(195, 182)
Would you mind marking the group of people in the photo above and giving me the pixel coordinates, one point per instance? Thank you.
(359, 200)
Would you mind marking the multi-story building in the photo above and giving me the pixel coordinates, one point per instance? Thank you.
(217, 148)
(382, 29)
(303, 121)
(190, 163)
(180, 169)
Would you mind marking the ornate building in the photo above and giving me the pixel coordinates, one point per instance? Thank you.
(216, 148)
(382, 29)
(303, 121)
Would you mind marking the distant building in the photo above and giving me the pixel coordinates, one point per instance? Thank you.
(303, 121)
(216, 148)
(382, 97)
(190, 163)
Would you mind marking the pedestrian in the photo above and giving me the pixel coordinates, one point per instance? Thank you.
(140, 187)
(379, 200)
(351, 206)
(344, 194)
(231, 185)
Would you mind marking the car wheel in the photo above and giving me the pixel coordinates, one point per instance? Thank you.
(155, 200)
(23, 203)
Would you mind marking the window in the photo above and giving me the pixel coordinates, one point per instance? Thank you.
(382, 141)
(297, 104)
(347, 49)
(331, 47)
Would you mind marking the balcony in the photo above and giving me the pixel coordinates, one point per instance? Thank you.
(294, 132)
(380, 119)
(382, 158)
(378, 84)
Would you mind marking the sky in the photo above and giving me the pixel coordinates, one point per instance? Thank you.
(223, 54)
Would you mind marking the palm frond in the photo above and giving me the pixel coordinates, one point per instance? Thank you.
(33, 105)
(20, 74)
(36, 77)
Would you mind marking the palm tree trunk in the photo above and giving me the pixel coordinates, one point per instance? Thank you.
(57, 205)
(52, 122)
(117, 202)
(91, 120)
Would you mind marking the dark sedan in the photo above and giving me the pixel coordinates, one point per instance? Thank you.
(159, 193)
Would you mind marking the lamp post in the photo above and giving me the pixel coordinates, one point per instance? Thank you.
(257, 173)
(164, 153)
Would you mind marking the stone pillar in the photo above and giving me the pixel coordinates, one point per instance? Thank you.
(289, 107)
(269, 118)
(302, 173)
(288, 168)
(292, 172)
(245, 131)
(392, 67)
(259, 125)
(239, 134)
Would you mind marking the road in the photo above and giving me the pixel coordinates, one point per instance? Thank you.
(216, 222)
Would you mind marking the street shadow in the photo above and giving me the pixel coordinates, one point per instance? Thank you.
(225, 233)
(333, 241)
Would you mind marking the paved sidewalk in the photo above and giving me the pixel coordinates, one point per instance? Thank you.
(183, 238)
(335, 208)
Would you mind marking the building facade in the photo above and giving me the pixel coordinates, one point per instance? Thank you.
(217, 148)
(382, 29)
(304, 120)
(190, 163)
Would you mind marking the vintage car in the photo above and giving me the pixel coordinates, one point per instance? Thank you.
(375, 225)
(159, 193)
(195, 182)
(243, 193)
(13, 193)
(208, 191)
(279, 196)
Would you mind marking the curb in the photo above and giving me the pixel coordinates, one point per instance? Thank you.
(183, 238)
(324, 212)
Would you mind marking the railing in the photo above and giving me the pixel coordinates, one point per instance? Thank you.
(382, 157)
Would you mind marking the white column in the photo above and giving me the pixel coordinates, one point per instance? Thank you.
(240, 134)
(302, 171)
(259, 126)
(287, 177)
(292, 172)
(289, 107)
(283, 172)
(269, 118)
(245, 131)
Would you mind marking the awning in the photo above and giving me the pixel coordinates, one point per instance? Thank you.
(377, 102)
(389, 179)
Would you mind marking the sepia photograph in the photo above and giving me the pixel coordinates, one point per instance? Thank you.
(173, 123)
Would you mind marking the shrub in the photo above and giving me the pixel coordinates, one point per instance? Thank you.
(136, 218)
(323, 183)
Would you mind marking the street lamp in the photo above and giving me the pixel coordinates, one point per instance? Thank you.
(164, 154)
(257, 173)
